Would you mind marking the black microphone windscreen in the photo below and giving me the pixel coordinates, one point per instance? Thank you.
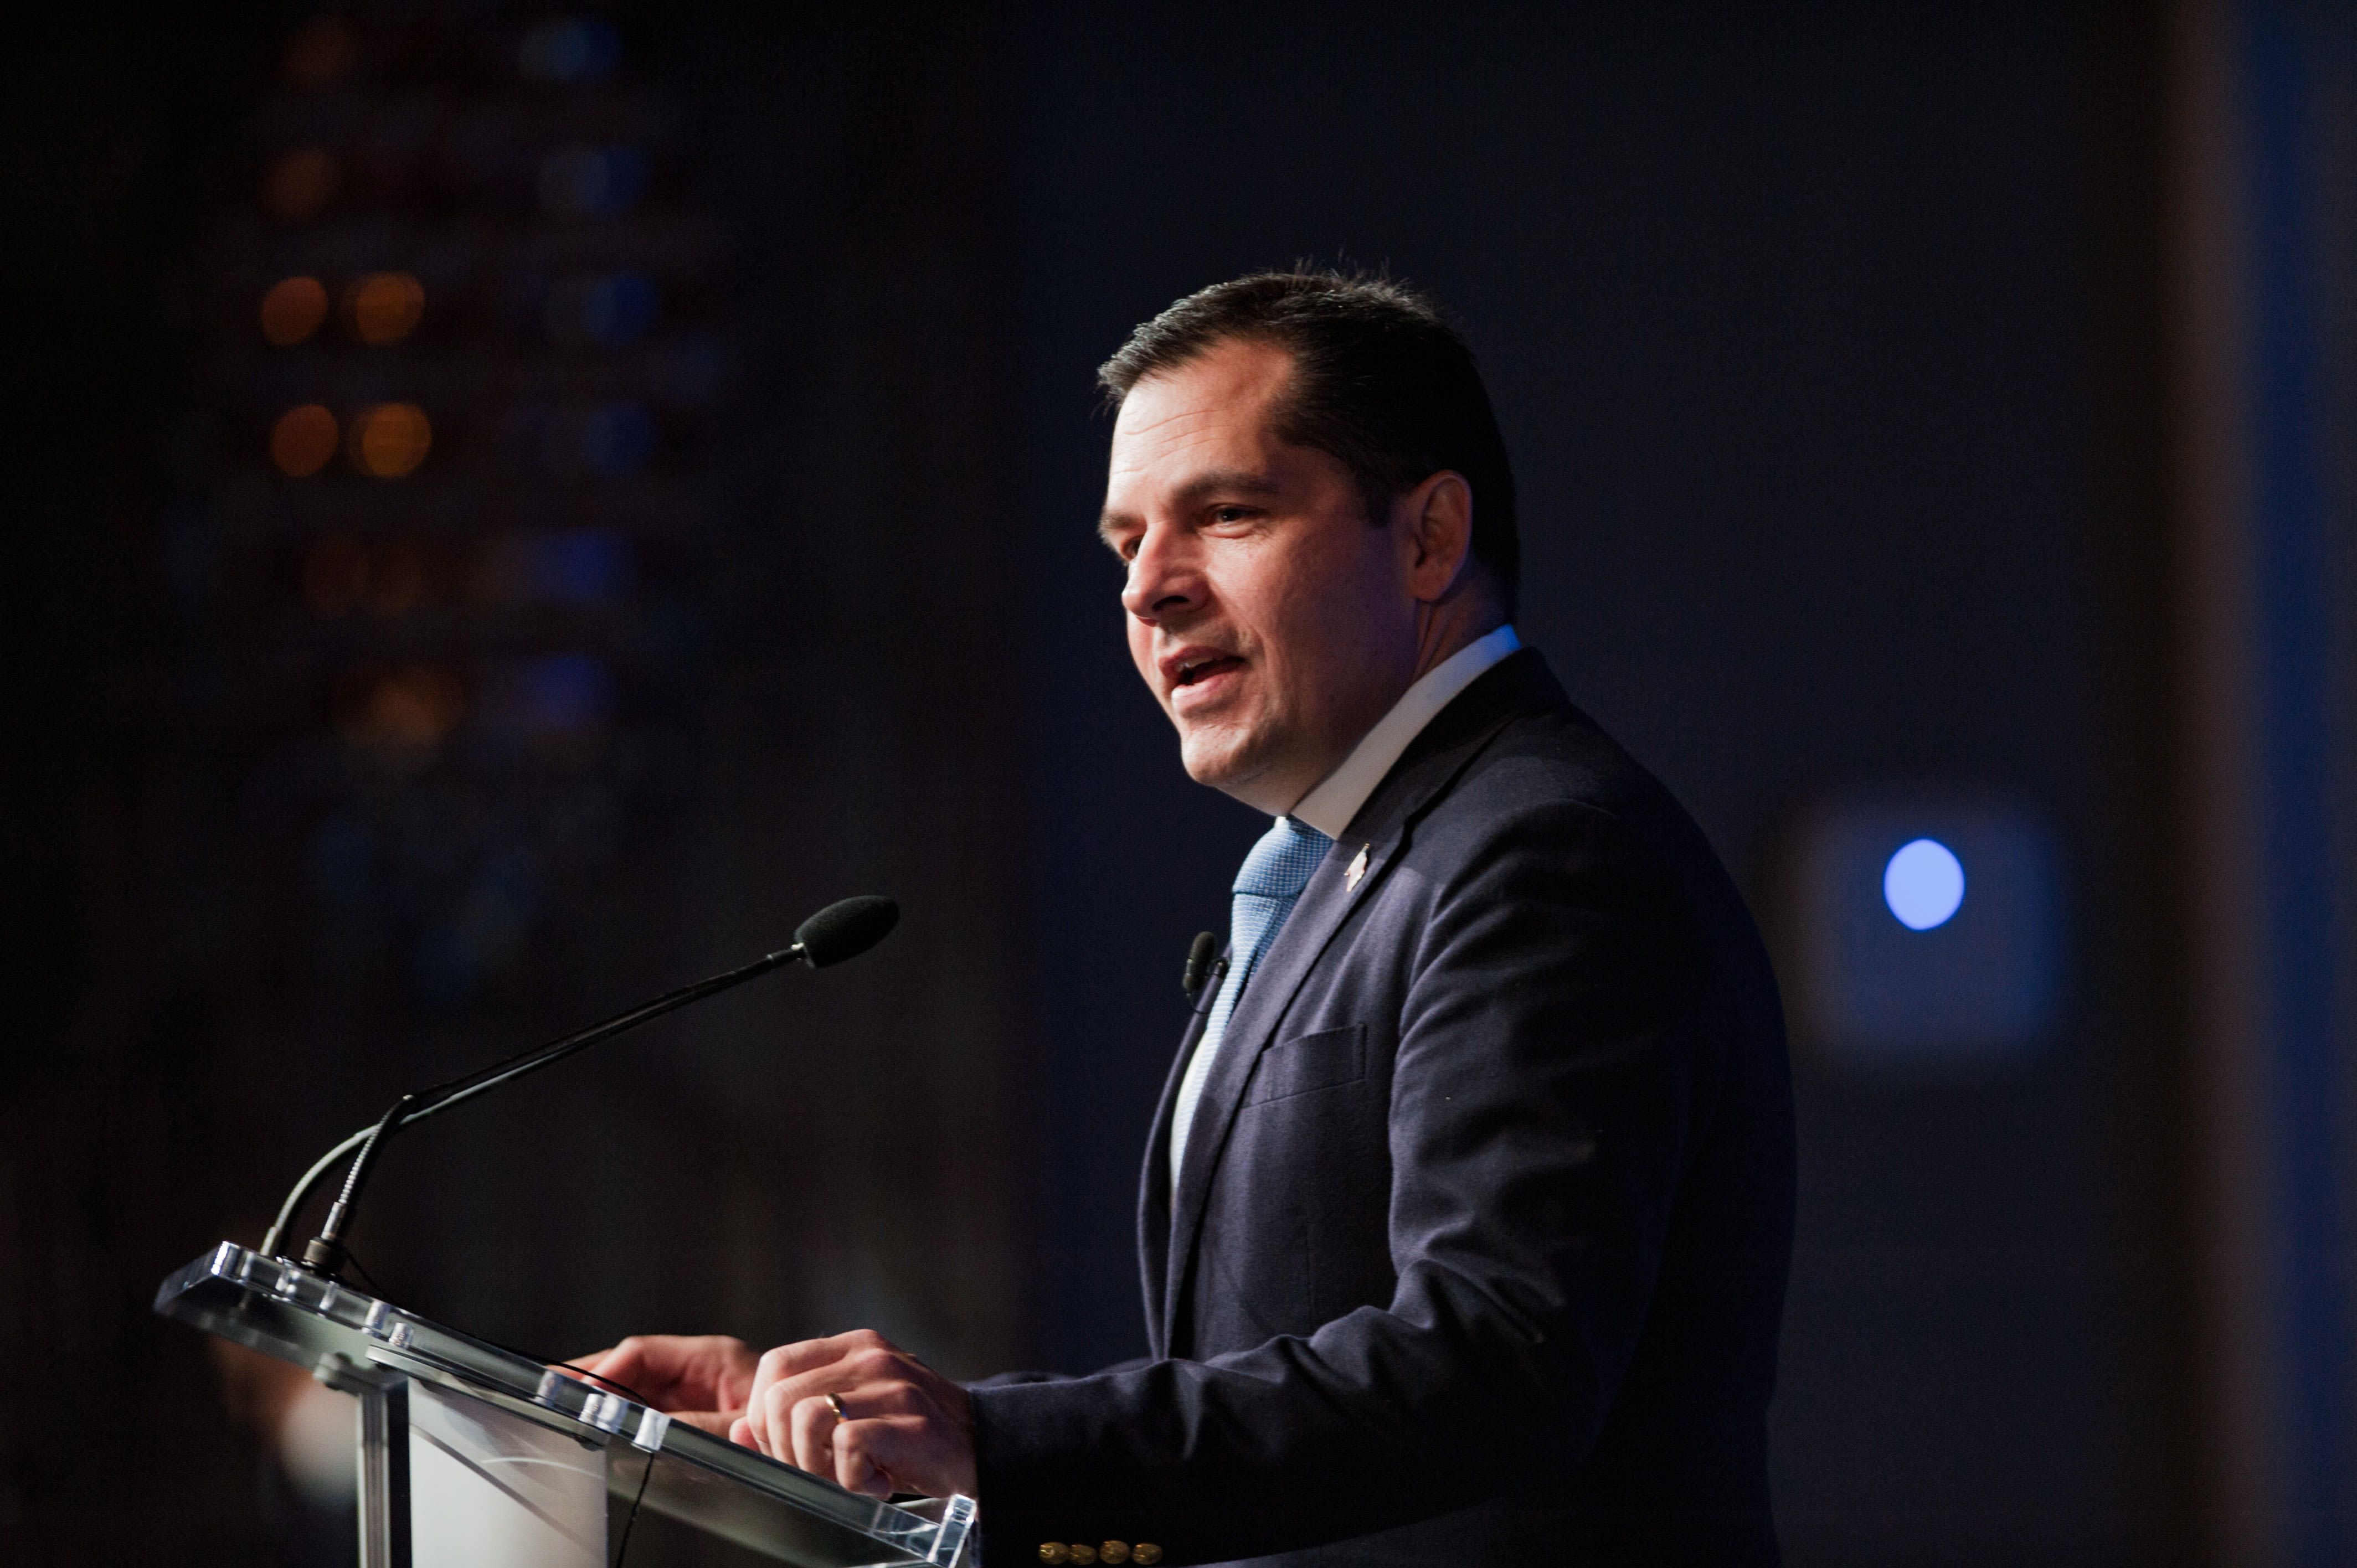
(1199, 960)
(846, 929)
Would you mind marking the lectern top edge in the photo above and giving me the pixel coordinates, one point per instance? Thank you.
(352, 1338)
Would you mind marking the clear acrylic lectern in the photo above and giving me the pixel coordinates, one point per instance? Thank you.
(472, 1456)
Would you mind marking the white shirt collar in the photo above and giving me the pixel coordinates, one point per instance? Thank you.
(1330, 807)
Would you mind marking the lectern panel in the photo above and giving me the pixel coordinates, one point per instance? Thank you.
(492, 1491)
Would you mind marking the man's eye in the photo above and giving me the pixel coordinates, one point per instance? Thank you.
(1231, 513)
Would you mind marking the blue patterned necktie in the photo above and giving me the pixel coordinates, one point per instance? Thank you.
(1270, 882)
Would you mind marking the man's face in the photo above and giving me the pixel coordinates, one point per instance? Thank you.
(1271, 619)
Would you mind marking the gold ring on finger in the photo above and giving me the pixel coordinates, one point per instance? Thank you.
(834, 1403)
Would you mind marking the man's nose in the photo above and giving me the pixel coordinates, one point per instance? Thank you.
(1165, 577)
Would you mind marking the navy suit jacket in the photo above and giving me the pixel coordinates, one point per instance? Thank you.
(1478, 1248)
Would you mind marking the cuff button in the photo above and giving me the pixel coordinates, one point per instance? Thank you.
(1146, 1554)
(1055, 1552)
(1114, 1551)
(1083, 1555)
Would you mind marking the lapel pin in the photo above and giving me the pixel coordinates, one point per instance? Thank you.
(1358, 869)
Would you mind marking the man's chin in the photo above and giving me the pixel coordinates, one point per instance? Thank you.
(1232, 767)
(1214, 772)
(1221, 761)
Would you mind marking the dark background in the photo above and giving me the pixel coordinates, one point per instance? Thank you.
(1831, 346)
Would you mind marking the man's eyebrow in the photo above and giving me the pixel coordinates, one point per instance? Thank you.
(1211, 482)
(1241, 480)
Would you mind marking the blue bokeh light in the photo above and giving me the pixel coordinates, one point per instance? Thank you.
(1923, 884)
(592, 182)
(567, 691)
(618, 311)
(568, 49)
(585, 566)
(619, 438)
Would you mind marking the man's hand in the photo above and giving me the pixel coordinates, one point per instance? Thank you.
(902, 1427)
(702, 1379)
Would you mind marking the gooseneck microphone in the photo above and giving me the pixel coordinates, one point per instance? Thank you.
(837, 932)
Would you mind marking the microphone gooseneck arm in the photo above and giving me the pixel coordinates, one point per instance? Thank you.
(304, 1188)
(839, 931)
(326, 1252)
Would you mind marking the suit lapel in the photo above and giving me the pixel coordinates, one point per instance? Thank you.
(1518, 684)
(1315, 915)
(1154, 1194)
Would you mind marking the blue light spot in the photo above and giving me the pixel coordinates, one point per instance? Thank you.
(624, 179)
(1923, 884)
(620, 439)
(592, 182)
(565, 50)
(567, 691)
(342, 860)
(584, 567)
(618, 311)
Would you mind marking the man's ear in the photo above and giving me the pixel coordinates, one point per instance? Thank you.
(1440, 531)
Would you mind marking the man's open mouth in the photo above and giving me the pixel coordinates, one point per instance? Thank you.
(1194, 669)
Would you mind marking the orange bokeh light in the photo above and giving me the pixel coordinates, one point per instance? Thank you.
(397, 579)
(300, 184)
(335, 574)
(413, 706)
(389, 439)
(383, 307)
(293, 311)
(339, 576)
(303, 440)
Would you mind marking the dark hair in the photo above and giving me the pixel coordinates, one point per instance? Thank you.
(1380, 383)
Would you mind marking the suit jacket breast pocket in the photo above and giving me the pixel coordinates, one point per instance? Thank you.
(1305, 1063)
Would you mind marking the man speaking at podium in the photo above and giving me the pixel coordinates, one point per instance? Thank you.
(1467, 1212)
